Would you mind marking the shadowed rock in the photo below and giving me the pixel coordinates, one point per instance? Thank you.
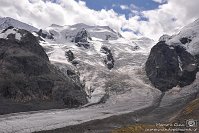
(82, 39)
(109, 60)
(27, 78)
(185, 40)
(69, 54)
(82, 36)
(169, 66)
(45, 35)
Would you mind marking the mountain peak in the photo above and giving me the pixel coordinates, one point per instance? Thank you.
(55, 25)
(5, 22)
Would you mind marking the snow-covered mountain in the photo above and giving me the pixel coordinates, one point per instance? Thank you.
(111, 70)
(6, 22)
(105, 62)
(100, 58)
(62, 33)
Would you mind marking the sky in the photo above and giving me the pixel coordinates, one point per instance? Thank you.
(122, 6)
(132, 18)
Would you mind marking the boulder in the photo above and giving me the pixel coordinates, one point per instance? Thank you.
(168, 66)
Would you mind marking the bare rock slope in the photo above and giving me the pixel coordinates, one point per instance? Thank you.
(27, 79)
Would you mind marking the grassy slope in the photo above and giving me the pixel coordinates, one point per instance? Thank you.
(191, 111)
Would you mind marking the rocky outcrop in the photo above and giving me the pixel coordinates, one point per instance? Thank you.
(108, 37)
(69, 54)
(86, 45)
(185, 40)
(82, 36)
(82, 39)
(27, 77)
(43, 34)
(71, 58)
(109, 60)
(168, 66)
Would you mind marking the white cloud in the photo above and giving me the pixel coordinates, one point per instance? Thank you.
(168, 18)
(124, 7)
(131, 7)
(65, 12)
(134, 7)
(160, 1)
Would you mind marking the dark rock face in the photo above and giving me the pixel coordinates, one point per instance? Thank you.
(86, 45)
(108, 37)
(109, 61)
(185, 40)
(40, 33)
(169, 66)
(75, 77)
(136, 47)
(45, 35)
(10, 27)
(26, 77)
(75, 62)
(82, 36)
(69, 54)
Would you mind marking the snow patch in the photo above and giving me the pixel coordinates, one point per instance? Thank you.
(35, 34)
(18, 36)
(97, 45)
(9, 32)
(180, 63)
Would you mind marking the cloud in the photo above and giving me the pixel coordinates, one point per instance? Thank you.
(124, 7)
(42, 13)
(131, 7)
(168, 18)
(160, 1)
